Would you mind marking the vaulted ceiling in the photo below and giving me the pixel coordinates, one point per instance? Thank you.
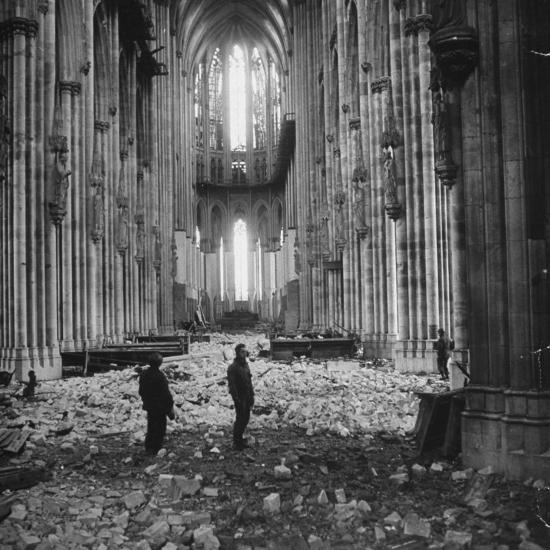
(203, 23)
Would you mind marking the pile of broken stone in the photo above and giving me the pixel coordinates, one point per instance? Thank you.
(345, 398)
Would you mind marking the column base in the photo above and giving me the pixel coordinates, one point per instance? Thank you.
(508, 430)
(378, 345)
(45, 361)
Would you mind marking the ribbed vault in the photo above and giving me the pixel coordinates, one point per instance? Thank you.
(200, 23)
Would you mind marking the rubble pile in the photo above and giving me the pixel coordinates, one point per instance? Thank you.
(328, 465)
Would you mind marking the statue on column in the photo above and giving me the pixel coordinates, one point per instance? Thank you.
(392, 206)
(339, 200)
(99, 213)
(59, 180)
(323, 231)
(122, 241)
(174, 248)
(297, 258)
(448, 13)
(158, 248)
(140, 237)
(4, 128)
(359, 181)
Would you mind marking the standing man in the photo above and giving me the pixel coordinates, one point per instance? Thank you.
(157, 401)
(443, 346)
(239, 381)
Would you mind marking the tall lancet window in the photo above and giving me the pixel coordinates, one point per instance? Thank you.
(198, 106)
(258, 100)
(240, 249)
(215, 102)
(275, 100)
(237, 98)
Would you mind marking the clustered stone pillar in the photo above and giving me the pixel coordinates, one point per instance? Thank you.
(79, 261)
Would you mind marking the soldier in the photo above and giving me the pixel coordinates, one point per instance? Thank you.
(239, 381)
(443, 346)
(157, 401)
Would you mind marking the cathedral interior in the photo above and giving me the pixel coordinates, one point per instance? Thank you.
(367, 167)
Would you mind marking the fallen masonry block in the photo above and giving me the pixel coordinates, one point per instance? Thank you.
(340, 496)
(133, 500)
(157, 533)
(458, 540)
(413, 524)
(282, 472)
(194, 519)
(184, 487)
(204, 535)
(28, 541)
(272, 503)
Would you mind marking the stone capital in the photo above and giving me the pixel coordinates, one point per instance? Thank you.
(70, 87)
(380, 84)
(101, 126)
(19, 25)
(355, 124)
(43, 6)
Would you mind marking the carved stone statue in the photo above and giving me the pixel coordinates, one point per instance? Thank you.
(297, 258)
(359, 185)
(59, 182)
(174, 249)
(448, 13)
(122, 241)
(4, 128)
(389, 176)
(99, 211)
(140, 237)
(339, 201)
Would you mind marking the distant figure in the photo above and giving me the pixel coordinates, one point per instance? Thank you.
(443, 346)
(157, 401)
(239, 381)
(28, 390)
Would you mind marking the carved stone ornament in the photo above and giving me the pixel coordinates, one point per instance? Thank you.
(445, 168)
(456, 52)
(5, 130)
(392, 206)
(70, 87)
(345, 108)
(380, 84)
(85, 68)
(18, 25)
(355, 124)
(59, 179)
(157, 258)
(97, 182)
(330, 138)
(43, 6)
(419, 23)
(140, 237)
(366, 66)
(337, 153)
(101, 126)
(122, 230)
(399, 4)
(174, 250)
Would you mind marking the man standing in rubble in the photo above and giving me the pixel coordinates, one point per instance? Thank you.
(157, 401)
(239, 381)
(443, 347)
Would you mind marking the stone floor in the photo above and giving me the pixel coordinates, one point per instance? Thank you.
(330, 465)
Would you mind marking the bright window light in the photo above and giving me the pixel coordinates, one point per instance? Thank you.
(240, 249)
(222, 271)
(237, 99)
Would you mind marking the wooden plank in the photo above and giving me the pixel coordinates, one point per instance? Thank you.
(10, 436)
(17, 444)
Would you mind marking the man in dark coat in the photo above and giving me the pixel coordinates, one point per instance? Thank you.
(443, 346)
(239, 381)
(157, 401)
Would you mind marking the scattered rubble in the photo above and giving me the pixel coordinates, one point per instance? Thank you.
(329, 465)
